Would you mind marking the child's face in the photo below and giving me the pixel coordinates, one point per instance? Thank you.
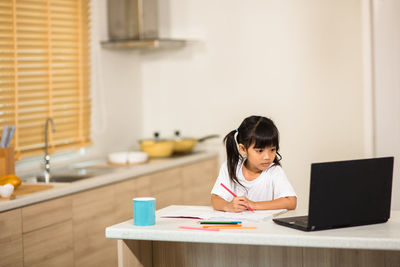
(259, 158)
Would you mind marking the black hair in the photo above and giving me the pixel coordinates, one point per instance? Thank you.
(256, 130)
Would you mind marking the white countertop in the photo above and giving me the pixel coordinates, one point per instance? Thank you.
(115, 175)
(383, 236)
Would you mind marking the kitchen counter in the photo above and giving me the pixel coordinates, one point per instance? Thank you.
(382, 236)
(116, 174)
(268, 245)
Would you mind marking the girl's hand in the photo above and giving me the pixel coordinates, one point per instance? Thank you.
(250, 204)
(238, 204)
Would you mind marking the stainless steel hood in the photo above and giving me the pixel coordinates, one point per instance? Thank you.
(134, 24)
(145, 43)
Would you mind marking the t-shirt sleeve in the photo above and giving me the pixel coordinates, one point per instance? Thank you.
(282, 186)
(223, 177)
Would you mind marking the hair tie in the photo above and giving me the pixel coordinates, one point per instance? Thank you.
(243, 157)
(235, 137)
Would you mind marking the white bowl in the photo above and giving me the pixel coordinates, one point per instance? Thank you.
(127, 157)
(118, 158)
(6, 190)
(137, 157)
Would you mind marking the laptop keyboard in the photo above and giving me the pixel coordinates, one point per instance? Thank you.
(301, 220)
(298, 220)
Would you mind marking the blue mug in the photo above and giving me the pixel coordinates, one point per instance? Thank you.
(144, 211)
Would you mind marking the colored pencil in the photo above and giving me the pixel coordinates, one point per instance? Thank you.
(182, 217)
(222, 225)
(220, 222)
(198, 228)
(233, 194)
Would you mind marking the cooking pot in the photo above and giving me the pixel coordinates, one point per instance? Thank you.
(186, 145)
(157, 148)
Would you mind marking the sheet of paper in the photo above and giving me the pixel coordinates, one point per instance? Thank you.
(202, 212)
(257, 215)
(208, 213)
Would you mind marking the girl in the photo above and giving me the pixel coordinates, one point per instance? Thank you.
(252, 170)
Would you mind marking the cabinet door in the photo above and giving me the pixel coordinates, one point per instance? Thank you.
(50, 246)
(198, 180)
(11, 238)
(46, 213)
(47, 233)
(124, 192)
(93, 211)
(166, 187)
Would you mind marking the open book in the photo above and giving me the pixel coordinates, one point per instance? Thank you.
(208, 213)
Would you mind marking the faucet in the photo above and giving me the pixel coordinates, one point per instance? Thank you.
(46, 148)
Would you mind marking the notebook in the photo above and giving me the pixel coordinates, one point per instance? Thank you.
(208, 213)
(346, 193)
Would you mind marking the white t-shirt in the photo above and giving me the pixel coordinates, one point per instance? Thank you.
(271, 184)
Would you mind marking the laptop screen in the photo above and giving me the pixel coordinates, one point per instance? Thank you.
(354, 192)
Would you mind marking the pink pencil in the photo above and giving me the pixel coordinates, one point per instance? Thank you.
(233, 194)
(198, 228)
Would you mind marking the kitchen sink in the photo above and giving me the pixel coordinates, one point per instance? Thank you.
(69, 175)
(63, 178)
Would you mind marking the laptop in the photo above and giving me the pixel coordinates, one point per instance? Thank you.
(346, 193)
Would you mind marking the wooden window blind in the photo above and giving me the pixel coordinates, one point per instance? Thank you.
(44, 73)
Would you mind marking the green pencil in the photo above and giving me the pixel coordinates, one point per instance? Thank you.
(220, 222)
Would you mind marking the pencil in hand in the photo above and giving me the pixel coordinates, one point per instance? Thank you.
(234, 195)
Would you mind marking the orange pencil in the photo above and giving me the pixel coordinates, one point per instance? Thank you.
(222, 225)
(233, 194)
(198, 228)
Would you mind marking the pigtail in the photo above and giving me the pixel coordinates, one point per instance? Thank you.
(233, 155)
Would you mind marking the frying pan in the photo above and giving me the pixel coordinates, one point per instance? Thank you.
(157, 148)
(186, 145)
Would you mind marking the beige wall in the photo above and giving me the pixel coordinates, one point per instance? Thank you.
(116, 91)
(298, 62)
(306, 64)
(387, 84)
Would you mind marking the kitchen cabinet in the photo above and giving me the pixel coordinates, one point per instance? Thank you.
(69, 231)
(47, 213)
(11, 253)
(197, 182)
(93, 210)
(166, 187)
(47, 233)
(49, 246)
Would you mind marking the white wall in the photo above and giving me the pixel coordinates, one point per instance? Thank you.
(116, 90)
(297, 62)
(305, 64)
(386, 37)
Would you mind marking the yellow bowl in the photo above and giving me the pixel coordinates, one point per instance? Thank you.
(157, 149)
(184, 146)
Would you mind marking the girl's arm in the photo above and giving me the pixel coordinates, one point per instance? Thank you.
(238, 204)
(289, 203)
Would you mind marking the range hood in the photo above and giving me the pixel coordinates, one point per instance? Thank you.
(134, 24)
